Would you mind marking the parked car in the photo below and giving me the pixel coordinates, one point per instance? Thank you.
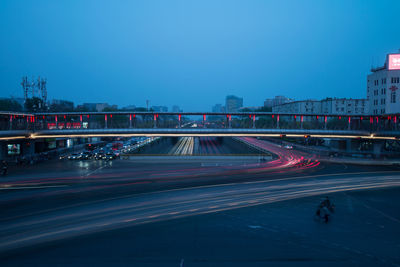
(64, 156)
(99, 155)
(74, 156)
(109, 156)
(84, 155)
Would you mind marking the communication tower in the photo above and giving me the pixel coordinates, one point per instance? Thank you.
(34, 89)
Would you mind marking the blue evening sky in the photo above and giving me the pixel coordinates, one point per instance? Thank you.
(194, 53)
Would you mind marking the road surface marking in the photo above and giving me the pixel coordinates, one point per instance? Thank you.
(31, 187)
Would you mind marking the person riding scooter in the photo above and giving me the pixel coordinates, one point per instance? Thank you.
(324, 210)
(4, 168)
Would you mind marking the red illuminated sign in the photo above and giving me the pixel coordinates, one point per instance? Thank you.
(394, 62)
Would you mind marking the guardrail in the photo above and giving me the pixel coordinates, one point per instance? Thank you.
(35, 125)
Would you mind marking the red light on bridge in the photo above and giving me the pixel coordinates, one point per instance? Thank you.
(317, 117)
(179, 117)
(110, 115)
(130, 117)
(65, 117)
(204, 117)
(272, 115)
(88, 116)
(295, 117)
(105, 117)
(340, 117)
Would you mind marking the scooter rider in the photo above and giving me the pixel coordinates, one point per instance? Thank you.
(4, 167)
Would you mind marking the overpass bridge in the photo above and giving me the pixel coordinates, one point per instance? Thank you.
(15, 125)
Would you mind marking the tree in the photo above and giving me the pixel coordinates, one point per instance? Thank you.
(264, 109)
(35, 104)
(10, 105)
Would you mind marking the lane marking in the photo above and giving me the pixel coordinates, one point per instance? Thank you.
(90, 173)
(32, 187)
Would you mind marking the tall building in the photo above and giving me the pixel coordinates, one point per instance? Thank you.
(328, 106)
(304, 107)
(98, 106)
(62, 105)
(382, 87)
(159, 108)
(277, 100)
(218, 108)
(176, 108)
(342, 106)
(233, 103)
(129, 107)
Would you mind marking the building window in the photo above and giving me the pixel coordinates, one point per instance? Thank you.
(395, 80)
(393, 97)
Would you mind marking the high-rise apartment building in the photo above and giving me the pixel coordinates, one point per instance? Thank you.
(233, 103)
(383, 85)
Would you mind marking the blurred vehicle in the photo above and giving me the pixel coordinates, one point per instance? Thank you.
(117, 153)
(288, 147)
(64, 156)
(99, 155)
(74, 156)
(109, 156)
(85, 155)
(117, 146)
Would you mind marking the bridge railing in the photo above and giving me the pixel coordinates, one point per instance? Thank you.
(265, 120)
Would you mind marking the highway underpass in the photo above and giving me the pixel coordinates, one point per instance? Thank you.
(63, 206)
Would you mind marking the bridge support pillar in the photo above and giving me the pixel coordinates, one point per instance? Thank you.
(130, 120)
(301, 122)
(56, 122)
(377, 148)
(349, 124)
(230, 121)
(105, 121)
(325, 122)
(254, 121)
(155, 121)
(11, 121)
(277, 121)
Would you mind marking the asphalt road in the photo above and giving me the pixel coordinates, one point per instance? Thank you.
(66, 206)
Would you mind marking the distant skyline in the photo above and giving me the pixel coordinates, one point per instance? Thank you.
(195, 53)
